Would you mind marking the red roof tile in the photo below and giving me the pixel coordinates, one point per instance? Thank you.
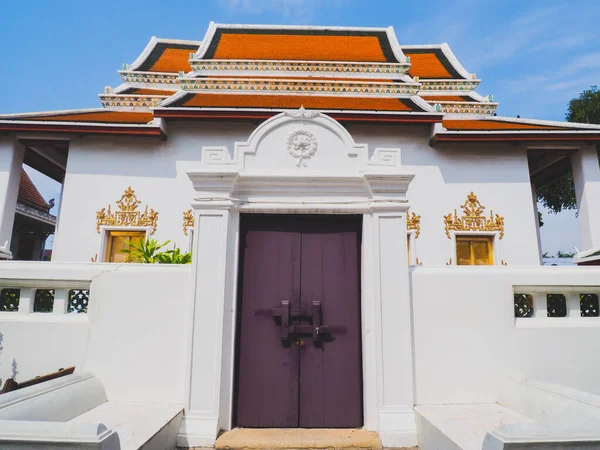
(29, 194)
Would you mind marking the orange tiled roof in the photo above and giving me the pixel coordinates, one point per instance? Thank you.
(107, 116)
(430, 63)
(29, 194)
(296, 101)
(168, 57)
(474, 125)
(300, 48)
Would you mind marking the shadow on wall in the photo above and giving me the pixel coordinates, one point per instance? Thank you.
(14, 372)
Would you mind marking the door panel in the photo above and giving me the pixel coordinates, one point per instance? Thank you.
(330, 373)
(267, 386)
(301, 259)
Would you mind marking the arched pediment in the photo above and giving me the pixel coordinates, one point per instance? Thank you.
(300, 142)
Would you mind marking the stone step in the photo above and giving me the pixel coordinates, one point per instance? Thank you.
(296, 439)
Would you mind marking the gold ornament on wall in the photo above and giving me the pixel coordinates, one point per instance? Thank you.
(413, 222)
(127, 215)
(474, 218)
(188, 221)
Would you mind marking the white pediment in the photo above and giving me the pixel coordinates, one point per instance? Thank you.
(300, 142)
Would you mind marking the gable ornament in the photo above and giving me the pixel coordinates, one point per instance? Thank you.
(188, 221)
(302, 113)
(128, 214)
(413, 222)
(473, 219)
(302, 145)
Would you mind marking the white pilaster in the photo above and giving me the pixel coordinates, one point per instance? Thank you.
(213, 256)
(397, 427)
(586, 175)
(11, 161)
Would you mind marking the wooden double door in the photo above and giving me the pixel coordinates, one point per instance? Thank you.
(299, 341)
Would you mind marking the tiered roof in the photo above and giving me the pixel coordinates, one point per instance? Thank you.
(241, 71)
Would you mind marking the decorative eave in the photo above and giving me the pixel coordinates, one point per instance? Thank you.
(215, 32)
(156, 129)
(286, 86)
(427, 118)
(467, 107)
(542, 131)
(35, 214)
(131, 102)
(445, 56)
(149, 79)
(216, 67)
(447, 86)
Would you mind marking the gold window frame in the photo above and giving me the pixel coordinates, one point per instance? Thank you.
(489, 238)
(109, 232)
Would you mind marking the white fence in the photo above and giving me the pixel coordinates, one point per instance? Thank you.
(126, 323)
(467, 340)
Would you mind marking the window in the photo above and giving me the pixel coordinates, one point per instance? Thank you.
(474, 250)
(117, 241)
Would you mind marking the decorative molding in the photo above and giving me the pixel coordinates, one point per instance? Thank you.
(302, 113)
(35, 213)
(473, 218)
(413, 222)
(127, 215)
(448, 85)
(188, 221)
(131, 100)
(289, 86)
(467, 107)
(305, 67)
(302, 145)
(149, 77)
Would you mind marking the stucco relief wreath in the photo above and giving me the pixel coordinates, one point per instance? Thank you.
(302, 145)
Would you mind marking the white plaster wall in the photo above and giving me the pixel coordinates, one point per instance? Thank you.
(133, 337)
(100, 169)
(138, 330)
(446, 174)
(466, 340)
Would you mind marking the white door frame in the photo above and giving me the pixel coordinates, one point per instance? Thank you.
(345, 180)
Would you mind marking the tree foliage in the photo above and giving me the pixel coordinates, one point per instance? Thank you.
(559, 194)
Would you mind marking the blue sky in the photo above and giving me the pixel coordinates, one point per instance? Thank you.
(533, 56)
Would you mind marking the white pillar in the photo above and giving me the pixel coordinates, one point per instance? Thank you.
(586, 175)
(391, 291)
(11, 162)
(214, 255)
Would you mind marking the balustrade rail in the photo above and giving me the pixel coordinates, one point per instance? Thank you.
(555, 302)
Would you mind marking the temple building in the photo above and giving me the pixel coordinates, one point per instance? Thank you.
(332, 184)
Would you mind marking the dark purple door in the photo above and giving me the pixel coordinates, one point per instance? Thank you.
(297, 274)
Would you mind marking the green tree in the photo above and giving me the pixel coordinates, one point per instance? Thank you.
(559, 194)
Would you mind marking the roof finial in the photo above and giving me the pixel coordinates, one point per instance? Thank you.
(181, 74)
(408, 60)
(125, 66)
(107, 89)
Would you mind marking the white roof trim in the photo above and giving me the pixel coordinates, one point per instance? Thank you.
(93, 124)
(344, 111)
(395, 45)
(54, 113)
(154, 41)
